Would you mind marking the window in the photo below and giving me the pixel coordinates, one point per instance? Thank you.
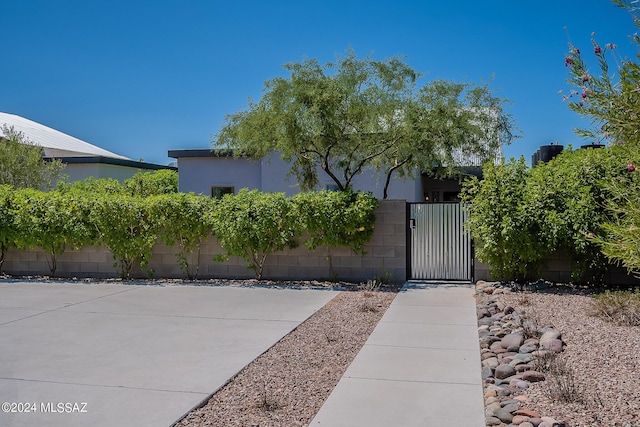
(217, 192)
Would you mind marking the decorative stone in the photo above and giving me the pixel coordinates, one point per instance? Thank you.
(527, 348)
(550, 334)
(504, 371)
(492, 421)
(532, 376)
(527, 413)
(554, 345)
(487, 372)
(512, 340)
(512, 407)
(519, 419)
(503, 415)
(491, 362)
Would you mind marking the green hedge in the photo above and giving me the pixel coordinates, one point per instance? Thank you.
(130, 218)
(520, 215)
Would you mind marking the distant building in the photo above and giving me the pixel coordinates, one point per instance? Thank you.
(81, 158)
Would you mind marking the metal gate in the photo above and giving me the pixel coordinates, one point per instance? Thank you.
(440, 248)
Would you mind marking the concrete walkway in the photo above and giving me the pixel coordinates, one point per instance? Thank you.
(132, 355)
(419, 367)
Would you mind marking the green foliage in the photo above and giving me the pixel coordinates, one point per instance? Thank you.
(8, 232)
(336, 218)
(610, 98)
(568, 196)
(127, 226)
(354, 114)
(184, 218)
(502, 227)
(53, 221)
(21, 162)
(143, 184)
(521, 215)
(93, 185)
(253, 225)
(620, 235)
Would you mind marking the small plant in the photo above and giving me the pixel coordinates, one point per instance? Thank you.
(560, 384)
(267, 401)
(371, 286)
(619, 307)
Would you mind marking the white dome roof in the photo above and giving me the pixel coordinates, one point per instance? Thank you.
(55, 143)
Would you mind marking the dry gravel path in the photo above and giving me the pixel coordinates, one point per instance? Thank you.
(604, 360)
(288, 384)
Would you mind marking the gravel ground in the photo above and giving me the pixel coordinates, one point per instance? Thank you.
(603, 360)
(288, 384)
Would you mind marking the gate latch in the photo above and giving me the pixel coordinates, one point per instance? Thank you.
(412, 223)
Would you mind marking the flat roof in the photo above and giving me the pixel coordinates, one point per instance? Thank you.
(113, 161)
(200, 152)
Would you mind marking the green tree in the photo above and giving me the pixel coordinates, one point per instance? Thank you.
(22, 164)
(355, 114)
(253, 225)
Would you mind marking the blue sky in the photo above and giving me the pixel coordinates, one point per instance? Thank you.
(141, 77)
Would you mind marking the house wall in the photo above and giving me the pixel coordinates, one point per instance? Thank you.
(386, 256)
(81, 171)
(198, 173)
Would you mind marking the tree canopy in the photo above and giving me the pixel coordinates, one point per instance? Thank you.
(353, 114)
(22, 164)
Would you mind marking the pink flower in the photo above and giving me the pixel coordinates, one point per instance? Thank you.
(585, 78)
(568, 61)
(611, 46)
(631, 167)
(597, 50)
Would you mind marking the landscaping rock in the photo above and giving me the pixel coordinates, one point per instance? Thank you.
(504, 371)
(509, 355)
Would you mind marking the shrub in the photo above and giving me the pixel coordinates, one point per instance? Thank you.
(127, 226)
(503, 228)
(184, 219)
(8, 232)
(619, 307)
(52, 221)
(253, 225)
(144, 184)
(567, 198)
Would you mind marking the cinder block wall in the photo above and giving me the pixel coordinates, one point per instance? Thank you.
(386, 256)
(557, 268)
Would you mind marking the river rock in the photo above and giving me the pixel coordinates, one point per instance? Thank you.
(514, 339)
(504, 371)
(532, 376)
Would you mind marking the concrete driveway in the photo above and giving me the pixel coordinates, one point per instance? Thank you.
(75, 354)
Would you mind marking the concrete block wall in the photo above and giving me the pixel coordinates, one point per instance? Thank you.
(557, 268)
(386, 256)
